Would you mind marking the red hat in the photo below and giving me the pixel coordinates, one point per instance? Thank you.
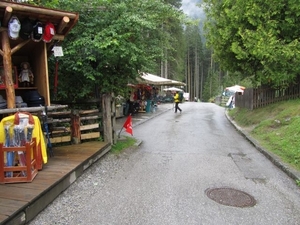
(49, 32)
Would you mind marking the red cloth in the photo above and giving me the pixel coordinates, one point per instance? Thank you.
(17, 118)
(128, 125)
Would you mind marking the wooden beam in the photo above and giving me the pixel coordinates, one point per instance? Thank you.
(60, 139)
(7, 15)
(90, 135)
(32, 109)
(39, 10)
(63, 23)
(58, 37)
(16, 48)
(89, 126)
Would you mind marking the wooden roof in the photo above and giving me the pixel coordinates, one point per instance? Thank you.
(63, 21)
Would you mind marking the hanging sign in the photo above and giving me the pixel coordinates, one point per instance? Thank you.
(58, 51)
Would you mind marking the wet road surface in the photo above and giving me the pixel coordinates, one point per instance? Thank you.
(168, 179)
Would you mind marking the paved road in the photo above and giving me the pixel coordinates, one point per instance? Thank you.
(173, 176)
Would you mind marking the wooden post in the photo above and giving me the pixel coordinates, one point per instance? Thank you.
(7, 70)
(7, 65)
(106, 119)
(75, 127)
(7, 15)
(113, 119)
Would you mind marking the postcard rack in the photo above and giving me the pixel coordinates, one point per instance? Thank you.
(25, 170)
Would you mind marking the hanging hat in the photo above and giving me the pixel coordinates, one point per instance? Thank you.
(14, 27)
(38, 30)
(26, 29)
(49, 32)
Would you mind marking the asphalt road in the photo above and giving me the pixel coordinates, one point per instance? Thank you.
(174, 175)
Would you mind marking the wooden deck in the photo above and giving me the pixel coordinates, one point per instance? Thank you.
(21, 202)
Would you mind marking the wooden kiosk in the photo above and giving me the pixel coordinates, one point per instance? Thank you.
(14, 52)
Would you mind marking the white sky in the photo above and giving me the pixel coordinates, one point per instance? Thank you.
(189, 7)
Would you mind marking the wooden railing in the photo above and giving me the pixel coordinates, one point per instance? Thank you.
(259, 97)
(76, 122)
(74, 126)
(80, 122)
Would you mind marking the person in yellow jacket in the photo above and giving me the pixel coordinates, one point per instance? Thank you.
(177, 100)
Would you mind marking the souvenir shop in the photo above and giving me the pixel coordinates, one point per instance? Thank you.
(28, 35)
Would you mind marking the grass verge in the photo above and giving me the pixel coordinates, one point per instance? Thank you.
(276, 127)
(122, 144)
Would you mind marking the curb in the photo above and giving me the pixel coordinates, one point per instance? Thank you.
(291, 172)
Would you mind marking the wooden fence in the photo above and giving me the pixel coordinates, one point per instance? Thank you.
(259, 97)
(73, 123)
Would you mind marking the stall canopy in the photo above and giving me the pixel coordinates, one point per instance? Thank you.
(235, 88)
(173, 89)
(156, 80)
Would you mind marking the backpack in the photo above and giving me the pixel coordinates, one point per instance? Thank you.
(180, 96)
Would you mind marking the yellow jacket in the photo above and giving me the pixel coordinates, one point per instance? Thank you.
(37, 133)
(176, 97)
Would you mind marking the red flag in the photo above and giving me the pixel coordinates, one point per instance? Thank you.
(128, 125)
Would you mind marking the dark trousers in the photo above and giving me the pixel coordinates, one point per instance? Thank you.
(177, 107)
(131, 109)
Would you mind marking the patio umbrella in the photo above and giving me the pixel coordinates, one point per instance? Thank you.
(173, 89)
(157, 80)
(235, 88)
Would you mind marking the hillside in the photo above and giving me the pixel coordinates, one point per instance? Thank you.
(276, 128)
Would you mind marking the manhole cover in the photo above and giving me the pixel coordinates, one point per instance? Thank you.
(230, 197)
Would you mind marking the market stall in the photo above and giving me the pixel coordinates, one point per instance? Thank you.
(141, 98)
(144, 96)
(29, 35)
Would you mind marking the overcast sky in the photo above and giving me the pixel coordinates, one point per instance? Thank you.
(189, 7)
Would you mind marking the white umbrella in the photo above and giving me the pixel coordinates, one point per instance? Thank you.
(235, 88)
(172, 89)
(157, 80)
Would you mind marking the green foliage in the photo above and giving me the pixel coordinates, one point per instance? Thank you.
(256, 38)
(44, 3)
(211, 87)
(123, 144)
(276, 127)
(194, 59)
(112, 42)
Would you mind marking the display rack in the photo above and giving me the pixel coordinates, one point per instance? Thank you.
(19, 173)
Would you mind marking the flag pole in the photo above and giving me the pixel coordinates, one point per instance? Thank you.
(120, 132)
(127, 123)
